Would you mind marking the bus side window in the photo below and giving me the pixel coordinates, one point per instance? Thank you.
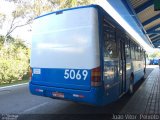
(132, 50)
(110, 50)
(136, 52)
(110, 46)
(106, 35)
(139, 53)
(127, 49)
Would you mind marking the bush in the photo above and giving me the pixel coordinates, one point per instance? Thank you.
(14, 62)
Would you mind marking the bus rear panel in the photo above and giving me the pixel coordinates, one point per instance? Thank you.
(65, 56)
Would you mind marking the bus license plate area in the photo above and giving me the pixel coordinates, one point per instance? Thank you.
(57, 94)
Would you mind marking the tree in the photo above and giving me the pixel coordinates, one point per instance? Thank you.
(61, 4)
(25, 11)
(14, 61)
(2, 19)
(43, 6)
(19, 17)
(156, 54)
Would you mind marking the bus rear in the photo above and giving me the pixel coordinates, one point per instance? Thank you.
(65, 56)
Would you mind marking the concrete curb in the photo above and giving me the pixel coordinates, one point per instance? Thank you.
(11, 86)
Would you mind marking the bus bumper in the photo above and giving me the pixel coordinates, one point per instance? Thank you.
(92, 97)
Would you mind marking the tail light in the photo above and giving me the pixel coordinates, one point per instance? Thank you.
(96, 77)
(30, 73)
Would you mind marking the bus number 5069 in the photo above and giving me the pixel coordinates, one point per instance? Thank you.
(72, 74)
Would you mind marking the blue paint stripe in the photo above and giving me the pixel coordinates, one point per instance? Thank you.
(67, 78)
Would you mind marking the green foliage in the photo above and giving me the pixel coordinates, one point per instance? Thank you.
(14, 55)
(14, 61)
(70, 3)
(75, 3)
(2, 19)
(43, 6)
(155, 55)
(1, 41)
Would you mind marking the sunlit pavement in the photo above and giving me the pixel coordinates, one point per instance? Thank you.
(152, 66)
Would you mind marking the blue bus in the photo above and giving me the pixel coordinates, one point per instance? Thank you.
(154, 61)
(83, 55)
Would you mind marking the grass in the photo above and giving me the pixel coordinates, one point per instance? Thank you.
(15, 82)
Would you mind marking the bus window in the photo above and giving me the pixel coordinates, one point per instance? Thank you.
(110, 46)
(110, 50)
(132, 50)
(106, 35)
(139, 53)
(136, 52)
(127, 49)
(142, 54)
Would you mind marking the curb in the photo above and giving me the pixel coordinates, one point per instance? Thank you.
(13, 86)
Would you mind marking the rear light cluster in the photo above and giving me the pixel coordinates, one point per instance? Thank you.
(96, 77)
(78, 96)
(38, 90)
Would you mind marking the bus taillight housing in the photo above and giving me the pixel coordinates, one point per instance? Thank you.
(96, 77)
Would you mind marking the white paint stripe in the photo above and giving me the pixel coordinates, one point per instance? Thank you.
(13, 86)
(35, 107)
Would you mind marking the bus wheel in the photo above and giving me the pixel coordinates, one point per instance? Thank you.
(131, 85)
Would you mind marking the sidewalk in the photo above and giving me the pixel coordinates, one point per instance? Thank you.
(146, 100)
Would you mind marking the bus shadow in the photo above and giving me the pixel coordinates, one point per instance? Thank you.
(114, 107)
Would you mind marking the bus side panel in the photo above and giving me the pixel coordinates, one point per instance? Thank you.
(138, 70)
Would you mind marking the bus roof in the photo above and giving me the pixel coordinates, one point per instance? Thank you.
(60, 11)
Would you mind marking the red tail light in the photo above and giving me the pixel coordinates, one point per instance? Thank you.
(96, 77)
(30, 73)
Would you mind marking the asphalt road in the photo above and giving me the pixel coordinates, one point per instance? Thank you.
(18, 100)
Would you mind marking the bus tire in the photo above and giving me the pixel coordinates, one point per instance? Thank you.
(131, 84)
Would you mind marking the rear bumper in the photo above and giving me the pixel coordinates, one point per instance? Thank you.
(93, 97)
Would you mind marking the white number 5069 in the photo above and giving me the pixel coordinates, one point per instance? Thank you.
(72, 74)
